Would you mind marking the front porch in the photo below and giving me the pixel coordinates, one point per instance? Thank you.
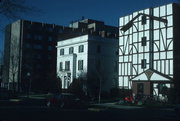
(151, 83)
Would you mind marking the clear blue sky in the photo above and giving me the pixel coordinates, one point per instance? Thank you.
(62, 12)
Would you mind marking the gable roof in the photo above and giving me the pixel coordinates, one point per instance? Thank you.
(130, 23)
(151, 75)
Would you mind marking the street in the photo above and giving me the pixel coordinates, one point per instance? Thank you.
(20, 113)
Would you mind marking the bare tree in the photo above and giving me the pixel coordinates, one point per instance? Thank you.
(1, 57)
(1, 65)
(13, 8)
(99, 72)
(82, 76)
(79, 85)
(96, 79)
(11, 64)
(14, 63)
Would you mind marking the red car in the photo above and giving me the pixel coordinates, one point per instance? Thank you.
(128, 99)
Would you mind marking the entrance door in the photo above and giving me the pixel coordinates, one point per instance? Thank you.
(140, 88)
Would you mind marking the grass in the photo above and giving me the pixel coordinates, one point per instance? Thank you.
(158, 105)
(36, 96)
(149, 105)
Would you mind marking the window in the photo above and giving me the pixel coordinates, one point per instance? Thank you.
(39, 28)
(28, 45)
(98, 49)
(38, 37)
(67, 65)
(28, 36)
(38, 56)
(60, 66)
(143, 41)
(98, 65)
(49, 57)
(38, 66)
(61, 51)
(143, 63)
(37, 47)
(143, 20)
(140, 88)
(50, 48)
(71, 50)
(60, 31)
(50, 29)
(29, 26)
(81, 48)
(50, 38)
(80, 65)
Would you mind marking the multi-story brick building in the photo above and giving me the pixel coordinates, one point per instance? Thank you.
(30, 54)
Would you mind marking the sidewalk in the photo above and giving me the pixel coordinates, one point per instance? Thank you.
(116, 106)
(126, 107)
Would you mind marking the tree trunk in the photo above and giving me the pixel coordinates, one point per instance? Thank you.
(13, 83)
(99, 99)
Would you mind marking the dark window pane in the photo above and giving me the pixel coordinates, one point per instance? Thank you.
(50, 48)
(38, 37)
(143, 63)
(98, 65)
(61, 51)
(143, 20)
(28, 36)
(67, 65)
(140, 88)
(98, 49)
(143, 41)
(60, 66)
(50, 38)
(71, 50)
(80, 65)
(37, 47)
(81, 48)
(28, 45)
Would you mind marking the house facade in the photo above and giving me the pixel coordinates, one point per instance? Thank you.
(89, 57)
(148, 50)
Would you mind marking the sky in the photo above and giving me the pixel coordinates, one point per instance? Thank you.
(62, 12)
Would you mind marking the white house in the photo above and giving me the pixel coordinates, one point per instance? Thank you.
(88, 56)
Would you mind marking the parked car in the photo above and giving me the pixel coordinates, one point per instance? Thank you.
(128, 99)
(65, 100)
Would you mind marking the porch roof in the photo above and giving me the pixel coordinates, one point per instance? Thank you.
(151, 75)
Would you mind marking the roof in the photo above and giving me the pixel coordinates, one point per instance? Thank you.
(151, 75)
